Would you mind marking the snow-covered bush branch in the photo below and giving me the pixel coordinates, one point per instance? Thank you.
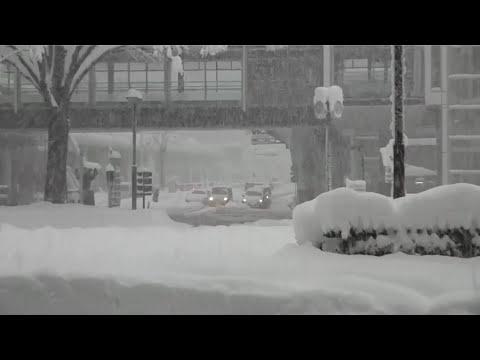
(443, 220)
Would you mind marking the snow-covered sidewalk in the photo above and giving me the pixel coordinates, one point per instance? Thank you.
(115, 261)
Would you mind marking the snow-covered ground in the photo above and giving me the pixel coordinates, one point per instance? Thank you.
(86, 260)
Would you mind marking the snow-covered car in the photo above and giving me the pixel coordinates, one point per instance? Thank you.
(196, 196)
(258, 198)
(252, 184)
(220, 195)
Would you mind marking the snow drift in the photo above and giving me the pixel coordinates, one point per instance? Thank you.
(443, 220)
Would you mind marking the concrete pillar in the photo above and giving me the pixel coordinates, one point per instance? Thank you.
(428, 72)
(328, 64)
(469, 69)
(417, 70)
(13, 175)
(244, 77)
(6, 165)
(445, 144)
(17, 92)
(92, 87)
(111, 79)
(167, 83)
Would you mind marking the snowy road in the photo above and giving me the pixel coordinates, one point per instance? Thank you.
(234, 212)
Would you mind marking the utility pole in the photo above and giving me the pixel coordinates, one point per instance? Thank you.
(398, 102)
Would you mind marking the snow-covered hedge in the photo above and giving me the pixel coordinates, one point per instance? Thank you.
(443, 220)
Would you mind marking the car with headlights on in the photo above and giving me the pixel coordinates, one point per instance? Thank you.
(258, 197)
(220, 195)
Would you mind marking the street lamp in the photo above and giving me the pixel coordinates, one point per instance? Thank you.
(134, 97)
(323, 100)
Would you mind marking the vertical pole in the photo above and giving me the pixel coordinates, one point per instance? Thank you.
(14, 188)
(398, 147)
(9, 74)
(327, 64)
(417, 70)
(205, 77)
(92, 87)
(128, 75)
(327, 79)
(146, 77)
(445, 124)
(143, 182)
(17, 91)
(328, 169)
(428, 73)
(134, 159)
(111, 77)
(363, 164)
(244, 78)
(9, 164)
(81, 171)
(167, 79)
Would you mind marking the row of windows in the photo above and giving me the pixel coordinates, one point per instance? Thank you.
(141, 72)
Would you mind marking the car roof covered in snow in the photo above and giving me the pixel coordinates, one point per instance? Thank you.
(256, 188)
(220, 187)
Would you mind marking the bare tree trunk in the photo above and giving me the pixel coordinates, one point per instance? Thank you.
(56, 179)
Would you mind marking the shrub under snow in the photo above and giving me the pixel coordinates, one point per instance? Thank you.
(443, 220)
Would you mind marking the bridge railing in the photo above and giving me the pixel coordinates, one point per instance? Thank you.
(362, 71)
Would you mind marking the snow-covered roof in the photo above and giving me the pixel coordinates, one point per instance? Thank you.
(256, 188)
(114, 155)
(134, 94)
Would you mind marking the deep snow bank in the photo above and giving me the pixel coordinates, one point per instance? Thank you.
(224, 270)
(445, 219)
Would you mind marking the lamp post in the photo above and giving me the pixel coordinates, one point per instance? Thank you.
(323, 100)
(134, 97)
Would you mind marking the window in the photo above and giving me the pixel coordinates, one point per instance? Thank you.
(101, 77)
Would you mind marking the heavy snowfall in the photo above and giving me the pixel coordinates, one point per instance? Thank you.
(133, 205)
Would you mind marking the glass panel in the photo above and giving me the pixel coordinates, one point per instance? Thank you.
(121, 66)
(120, 76)
(102, 66)
(137, 66)
(155, 76)
(155, 66)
